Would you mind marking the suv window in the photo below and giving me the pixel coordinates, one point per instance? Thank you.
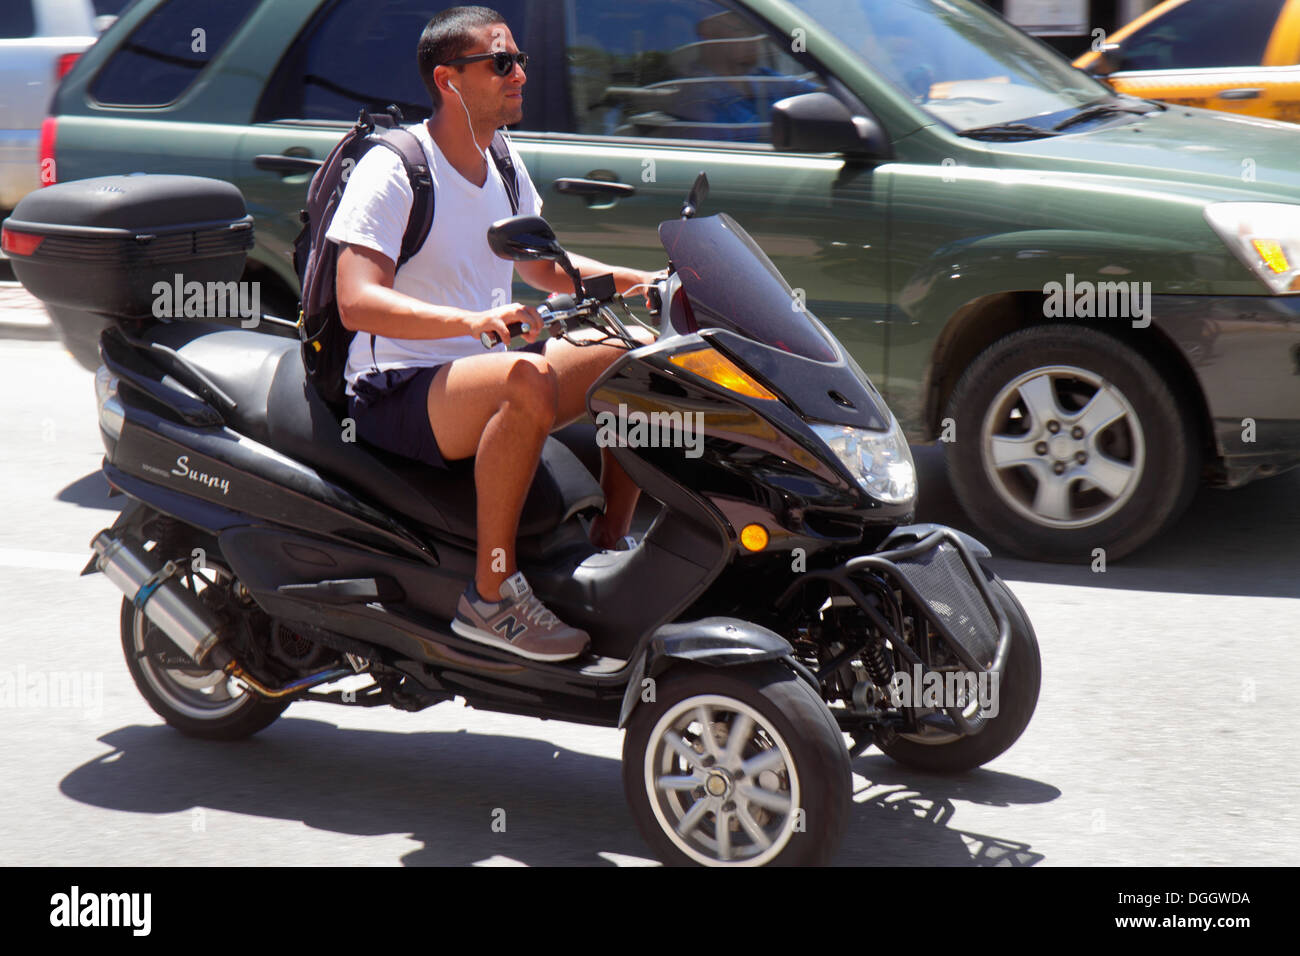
(1203, 35)
(19, 21)
(361, 53)
(167, 52)
(679, 69)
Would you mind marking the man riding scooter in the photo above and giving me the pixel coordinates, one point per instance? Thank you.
(428, 389)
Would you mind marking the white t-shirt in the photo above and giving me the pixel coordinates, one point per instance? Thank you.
(454, 267)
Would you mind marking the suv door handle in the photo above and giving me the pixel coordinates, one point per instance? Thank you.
(594, 188)
(1244, 93)
(286, 165)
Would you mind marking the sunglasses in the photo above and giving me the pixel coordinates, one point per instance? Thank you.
(502, 62)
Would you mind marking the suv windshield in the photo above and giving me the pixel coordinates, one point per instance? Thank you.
(958, 60)
(731, 284)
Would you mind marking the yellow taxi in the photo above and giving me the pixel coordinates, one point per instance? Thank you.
(1241, 56)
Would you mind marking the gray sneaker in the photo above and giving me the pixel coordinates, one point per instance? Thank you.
(518, 623)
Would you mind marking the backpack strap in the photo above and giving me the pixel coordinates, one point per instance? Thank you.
(408, 149)
(500, 151)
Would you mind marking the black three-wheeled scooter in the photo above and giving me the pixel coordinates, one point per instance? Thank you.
(779, 600)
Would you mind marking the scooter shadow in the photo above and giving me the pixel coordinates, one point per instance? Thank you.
(462, 797)
(905, 817)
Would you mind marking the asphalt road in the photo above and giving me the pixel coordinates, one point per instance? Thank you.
(1160, 737)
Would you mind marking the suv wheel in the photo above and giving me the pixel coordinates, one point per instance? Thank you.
(1068, 440)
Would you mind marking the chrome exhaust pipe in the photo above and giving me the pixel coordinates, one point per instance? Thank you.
(152, 586)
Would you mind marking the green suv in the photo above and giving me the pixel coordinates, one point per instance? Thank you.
(1090, 300)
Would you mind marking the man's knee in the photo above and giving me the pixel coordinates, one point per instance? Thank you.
(533, 385)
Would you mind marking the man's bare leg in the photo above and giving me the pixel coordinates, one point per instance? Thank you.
(576, 368)
(498, 407)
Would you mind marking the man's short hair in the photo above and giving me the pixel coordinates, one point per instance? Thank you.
(447, 36)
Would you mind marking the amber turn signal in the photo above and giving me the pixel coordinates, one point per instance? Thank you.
(717, 368)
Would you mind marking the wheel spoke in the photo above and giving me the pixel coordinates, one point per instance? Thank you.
(750, 826)
(705, 716)
(773, 800)
(681, 748)
(1052, 499)
(722, 832)
(1009, 452)
(1102, 411)
(1040, 400)
(680, 783)
(737, 737)
(1109, 475)
(769, 759)
(693, 816)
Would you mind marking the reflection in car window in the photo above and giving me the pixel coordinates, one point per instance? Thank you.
(1203, 34)
(682, 69)
(361, 54)
(165, 54)
(19, 22)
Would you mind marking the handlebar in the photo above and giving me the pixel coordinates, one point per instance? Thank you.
(551, 316)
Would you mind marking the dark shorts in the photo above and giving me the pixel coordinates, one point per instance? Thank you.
(391, 409)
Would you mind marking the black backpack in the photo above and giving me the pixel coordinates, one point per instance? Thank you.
(325, 340)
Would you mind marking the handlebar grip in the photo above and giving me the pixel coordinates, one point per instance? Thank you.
(490, 338)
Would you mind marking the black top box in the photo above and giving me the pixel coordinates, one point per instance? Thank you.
(134, 247)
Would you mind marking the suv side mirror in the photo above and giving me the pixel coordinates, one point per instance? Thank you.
(819, 123)
(1110, 60)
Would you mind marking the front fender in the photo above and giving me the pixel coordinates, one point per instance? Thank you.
(915, 532)
(715, 641)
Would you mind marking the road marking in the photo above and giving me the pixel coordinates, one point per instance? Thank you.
(43, 560)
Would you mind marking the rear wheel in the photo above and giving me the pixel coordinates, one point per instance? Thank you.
(740, 766)
(196, 700)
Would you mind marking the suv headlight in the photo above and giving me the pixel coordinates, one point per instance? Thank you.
(880, 462)
(1265, 236)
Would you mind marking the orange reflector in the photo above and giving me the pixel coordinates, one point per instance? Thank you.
(712, 365)
(1272, 254)
(754, 537)
(19, 243)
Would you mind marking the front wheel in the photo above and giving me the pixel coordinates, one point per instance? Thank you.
(737, 766)
(1067, 441)
(938, 751)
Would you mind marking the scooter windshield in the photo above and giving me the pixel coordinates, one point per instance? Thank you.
(731, 284)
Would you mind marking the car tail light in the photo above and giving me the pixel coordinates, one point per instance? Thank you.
(19, 243)
(49, 135)
(66, 63)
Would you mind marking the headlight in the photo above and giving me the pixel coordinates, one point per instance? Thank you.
(1265, 236)
(880, 462)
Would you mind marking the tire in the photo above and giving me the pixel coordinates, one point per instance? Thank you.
(938, 752)
(788, 717)
(1140, 456)
(177, 695)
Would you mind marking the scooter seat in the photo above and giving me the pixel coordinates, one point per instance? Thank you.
(276, 405)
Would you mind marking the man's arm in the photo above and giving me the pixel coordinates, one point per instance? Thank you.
(549, 277)
(368, 302)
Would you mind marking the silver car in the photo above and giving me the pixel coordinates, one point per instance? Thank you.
(39, 42)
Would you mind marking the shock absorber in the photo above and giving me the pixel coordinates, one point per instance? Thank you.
(876, 660)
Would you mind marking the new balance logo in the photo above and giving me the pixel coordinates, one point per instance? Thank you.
(510, 628)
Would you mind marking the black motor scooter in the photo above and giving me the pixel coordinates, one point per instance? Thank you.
(779, 600)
